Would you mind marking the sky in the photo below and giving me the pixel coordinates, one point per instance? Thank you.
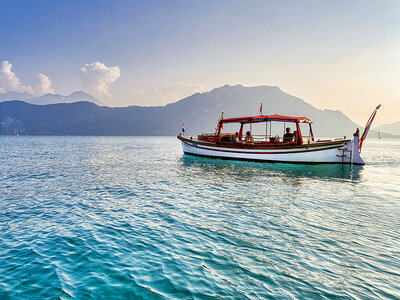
(341, 55)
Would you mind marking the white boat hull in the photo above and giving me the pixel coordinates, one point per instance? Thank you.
(345, 152)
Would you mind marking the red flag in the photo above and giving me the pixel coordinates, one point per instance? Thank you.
(261, 109)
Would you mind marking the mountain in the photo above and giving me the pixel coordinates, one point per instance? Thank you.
(57, 98)
(15, 96)
(392, 128)
(199, 112)
(245, 101)
(50, 98)
(82, 96)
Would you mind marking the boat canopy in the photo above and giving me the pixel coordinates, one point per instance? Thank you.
(263, 118)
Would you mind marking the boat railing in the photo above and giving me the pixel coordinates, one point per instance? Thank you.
(324, 140)
(307, 139)
(268, 138)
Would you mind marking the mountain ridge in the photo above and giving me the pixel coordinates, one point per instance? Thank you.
(199, 112)
(50, 98)
(392, 128)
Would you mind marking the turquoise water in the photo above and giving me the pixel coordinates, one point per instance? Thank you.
(130, 217)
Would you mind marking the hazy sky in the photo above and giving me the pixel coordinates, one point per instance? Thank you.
(333, 54)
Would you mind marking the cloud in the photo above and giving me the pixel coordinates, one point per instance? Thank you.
(97, 77)
(9, 82)
(44, 86)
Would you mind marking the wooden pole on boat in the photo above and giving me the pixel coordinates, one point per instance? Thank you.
(270, 125)
(241, 131)
(284, 129)
(299, 136)
(311, 133)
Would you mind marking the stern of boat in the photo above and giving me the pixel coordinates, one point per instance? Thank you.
(350, 153)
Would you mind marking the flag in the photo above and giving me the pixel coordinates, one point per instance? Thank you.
(219, 122)
(364, 135)
(183, 128)
(261, 109)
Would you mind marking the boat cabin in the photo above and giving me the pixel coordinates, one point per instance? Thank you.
(294, 138)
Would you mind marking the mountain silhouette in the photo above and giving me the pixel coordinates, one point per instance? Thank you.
(15, 96)
(392, 128)
(199, 113)
(50, 98)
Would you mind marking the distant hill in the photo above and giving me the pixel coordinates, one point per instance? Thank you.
(199, 112)
(50, 98)
(15, 96)
(392, 128)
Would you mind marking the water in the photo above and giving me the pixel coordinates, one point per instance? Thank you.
(130, 217)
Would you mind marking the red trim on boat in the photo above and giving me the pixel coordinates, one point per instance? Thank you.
(263, 118)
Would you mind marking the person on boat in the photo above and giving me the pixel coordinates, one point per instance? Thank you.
(295, 135)
(288, 136)
(248, 139)
(235, 138)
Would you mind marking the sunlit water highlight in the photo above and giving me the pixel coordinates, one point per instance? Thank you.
(130, 217)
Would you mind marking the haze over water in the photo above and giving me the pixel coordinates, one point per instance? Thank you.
(120, 217)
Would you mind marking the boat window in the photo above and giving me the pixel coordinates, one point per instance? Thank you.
(230, 128)
(226, 139)
(305, 132)
(269, 131)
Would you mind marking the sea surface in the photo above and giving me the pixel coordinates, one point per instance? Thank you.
(132, 218)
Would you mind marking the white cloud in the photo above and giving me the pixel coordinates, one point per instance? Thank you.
(9, 82)
(97, 77)
(44, 87)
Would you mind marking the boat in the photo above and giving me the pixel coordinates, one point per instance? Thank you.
(299, 148)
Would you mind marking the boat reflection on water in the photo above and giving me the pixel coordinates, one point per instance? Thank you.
(250, 169)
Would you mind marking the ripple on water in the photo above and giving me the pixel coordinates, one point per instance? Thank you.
(133, 218)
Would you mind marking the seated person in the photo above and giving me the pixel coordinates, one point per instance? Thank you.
(235, 138)
(288, 136)
(248, 139)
